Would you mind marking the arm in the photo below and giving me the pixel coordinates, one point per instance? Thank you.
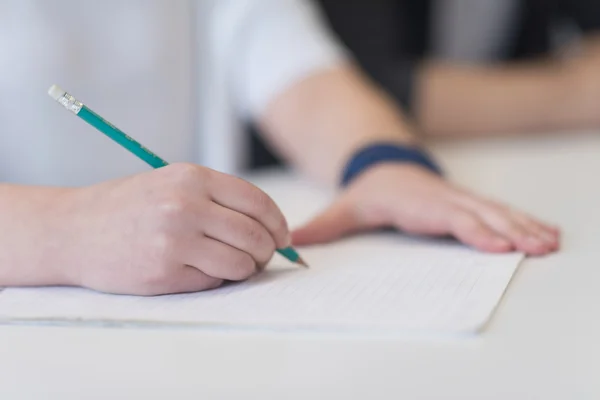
(179, 228)
(462, 100)
(451, 99)
(295, 95)
(322, 115)
(319, 122)
(515, 98)
(512, 98)
(27, 235)
(323, 120)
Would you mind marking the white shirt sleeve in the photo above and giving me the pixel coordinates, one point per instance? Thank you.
(277, 43)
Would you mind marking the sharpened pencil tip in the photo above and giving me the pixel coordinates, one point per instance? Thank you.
(302, 262)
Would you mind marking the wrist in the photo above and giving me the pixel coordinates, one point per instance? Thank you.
(64, 228)
(385, 153)
(57, 237)
(31, 230)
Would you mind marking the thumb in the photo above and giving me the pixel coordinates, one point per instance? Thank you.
(335, 222)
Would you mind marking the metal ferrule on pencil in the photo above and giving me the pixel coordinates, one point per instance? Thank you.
(64, 98)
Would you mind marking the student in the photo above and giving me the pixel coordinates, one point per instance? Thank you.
(478, 67)
(76, 209)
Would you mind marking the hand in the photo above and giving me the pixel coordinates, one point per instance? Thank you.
(180, 228)
(416, 201)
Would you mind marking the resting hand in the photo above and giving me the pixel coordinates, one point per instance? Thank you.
(416, 201)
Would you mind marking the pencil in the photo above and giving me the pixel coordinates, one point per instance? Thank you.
(129, 143)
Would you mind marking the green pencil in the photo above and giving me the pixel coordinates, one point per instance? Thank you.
(89, 116)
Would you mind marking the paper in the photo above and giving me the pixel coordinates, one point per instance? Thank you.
(384, 282)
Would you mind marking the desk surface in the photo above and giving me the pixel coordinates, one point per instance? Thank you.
(543, 342)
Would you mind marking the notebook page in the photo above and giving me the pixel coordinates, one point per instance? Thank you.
(376, 282)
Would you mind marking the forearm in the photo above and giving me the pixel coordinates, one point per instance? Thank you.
(459, 100)
(319, 122)
(28, 222)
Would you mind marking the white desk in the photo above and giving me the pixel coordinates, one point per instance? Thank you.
(543, 342)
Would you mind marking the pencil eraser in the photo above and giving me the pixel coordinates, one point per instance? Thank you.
(56, 92)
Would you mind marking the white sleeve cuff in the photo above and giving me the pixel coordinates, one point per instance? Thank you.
(278, 43)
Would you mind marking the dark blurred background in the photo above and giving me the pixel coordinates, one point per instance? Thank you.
(392, 38)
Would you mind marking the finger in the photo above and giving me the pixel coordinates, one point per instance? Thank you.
(186, 280)
(535, 227)
(219, 260)
(243, 197)
(333, 223)
(526, 234)
(471, 230)
(523, 239)
(239, 231)
(549, 234)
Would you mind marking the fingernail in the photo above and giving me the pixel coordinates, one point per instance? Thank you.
(288, 239)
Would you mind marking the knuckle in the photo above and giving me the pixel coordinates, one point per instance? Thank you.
(242, 266)
(264, 253)
(497, 211)
(255, 235)
(498, 207)
(259, 241)
(234, 223)
(185, 170)
(261, 202)
(466, 222)
(172, 207)
(184, 174)
(164, 246)
(515, 231)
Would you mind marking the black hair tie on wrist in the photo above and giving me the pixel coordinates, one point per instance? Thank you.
(386, 153)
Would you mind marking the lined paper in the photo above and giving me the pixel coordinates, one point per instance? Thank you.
(378, 282)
